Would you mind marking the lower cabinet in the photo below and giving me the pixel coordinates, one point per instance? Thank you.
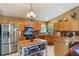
(60, 48)
(50, 39)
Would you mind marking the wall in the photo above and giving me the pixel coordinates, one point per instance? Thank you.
(66, 16)
(13, 20)
(18, 21)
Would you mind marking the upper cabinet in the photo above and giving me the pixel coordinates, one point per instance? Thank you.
(28, 23)
(56, 26)
(75, 26)
(59, 26)
(67, 26)
(36, 26)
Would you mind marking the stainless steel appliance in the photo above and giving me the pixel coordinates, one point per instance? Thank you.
(9, 37)
(37, 49)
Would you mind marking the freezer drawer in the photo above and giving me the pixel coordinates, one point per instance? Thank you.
(5, 49)
(13, 47)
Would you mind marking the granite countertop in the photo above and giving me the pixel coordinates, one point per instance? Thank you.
(25, 42)
(74, 38)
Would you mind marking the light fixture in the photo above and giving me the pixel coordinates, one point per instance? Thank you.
(31, 15)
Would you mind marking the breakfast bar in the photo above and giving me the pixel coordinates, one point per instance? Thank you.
(37, 47)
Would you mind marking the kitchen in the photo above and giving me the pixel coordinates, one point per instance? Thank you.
(43, 34)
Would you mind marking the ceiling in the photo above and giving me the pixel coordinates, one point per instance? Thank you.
(43, 11)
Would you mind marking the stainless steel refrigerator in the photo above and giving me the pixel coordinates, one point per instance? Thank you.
(9, 36)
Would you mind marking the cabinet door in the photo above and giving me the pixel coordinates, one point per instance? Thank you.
(47, 37)
(29, 23)
(75, 26)
(21, 26)
(67, 26)
(56, 26)
(24, 23)
(36, 26)
(60, 48)
(61, 26)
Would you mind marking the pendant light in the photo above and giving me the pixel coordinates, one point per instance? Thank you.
(31, 15)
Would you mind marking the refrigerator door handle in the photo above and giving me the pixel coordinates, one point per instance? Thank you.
(8, 34)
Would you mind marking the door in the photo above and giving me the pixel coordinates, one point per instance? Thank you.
(5, 49)
(4, 28)
(10, 29)
(15, 33)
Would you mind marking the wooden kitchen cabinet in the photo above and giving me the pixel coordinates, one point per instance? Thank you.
(51, 39)
(60, 48)
(36, 26)
(75, 26)
(57, 26)
(47, 37)
(71, 26)
(29, 23)
(67, 26)
(61, 26)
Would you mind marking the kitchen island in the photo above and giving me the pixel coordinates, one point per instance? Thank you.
(28, 48)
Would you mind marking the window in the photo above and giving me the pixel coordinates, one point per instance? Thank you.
(50, 29)
(43, 28)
